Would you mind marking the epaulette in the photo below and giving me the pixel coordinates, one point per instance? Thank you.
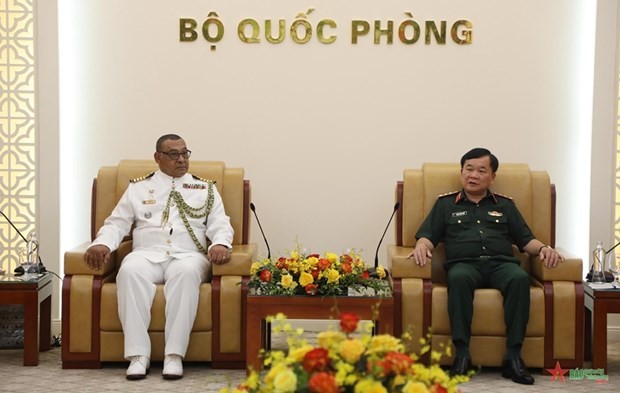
(503, 196)
(204, 180)
(137, 179)
(448, 194)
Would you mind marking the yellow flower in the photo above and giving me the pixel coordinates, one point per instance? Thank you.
(398, 380)
(312, 261)
(331, 257)
(415, 387)
(329, 338)
(285, 381)
(345, 374)
(369, 386)
(293, 266)
(276, 368)
(286, 281)
(253, 380)
(297, 355)
(381, 271)
(383, 343)
(254, 268)
(295, 255)
(305, 279)
(332, 275)
(351, 350)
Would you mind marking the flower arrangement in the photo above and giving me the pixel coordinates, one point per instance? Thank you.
(340, 362)
(315, 274)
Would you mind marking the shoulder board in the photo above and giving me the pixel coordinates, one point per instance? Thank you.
(503, 196)
(138, 179)
(448, 194)
(202, 179)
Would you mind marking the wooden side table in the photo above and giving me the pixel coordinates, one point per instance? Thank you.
(309, 307)
(36, 297)
(598, 303)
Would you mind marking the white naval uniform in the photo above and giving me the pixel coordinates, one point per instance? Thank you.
(162, 254)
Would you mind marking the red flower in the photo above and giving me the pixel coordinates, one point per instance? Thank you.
(311, 289)
(346, 258)
(323, 382)
(265, 276)
(314, 256)
(393, 363)
(398, 363)
(348, 322)
(324, 264)
(315, 274)
(243, 388)
(377, 367)
(282, 263)
(365, 275)
(437, 388)
(346, 267)
(316, 360)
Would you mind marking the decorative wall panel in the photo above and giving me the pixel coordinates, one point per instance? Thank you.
(18, 151)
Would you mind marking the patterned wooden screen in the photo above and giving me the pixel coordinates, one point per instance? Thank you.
(17, 126)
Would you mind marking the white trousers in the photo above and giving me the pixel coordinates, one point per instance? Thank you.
(136, 286)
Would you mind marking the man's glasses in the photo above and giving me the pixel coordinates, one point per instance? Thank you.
(174, 155)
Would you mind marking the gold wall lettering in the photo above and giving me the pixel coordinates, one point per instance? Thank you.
(302, 30)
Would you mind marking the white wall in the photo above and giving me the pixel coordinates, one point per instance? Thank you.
(324, 131)
(48, 171)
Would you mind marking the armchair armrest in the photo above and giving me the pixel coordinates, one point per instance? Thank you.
(240, 261)
(569, 270)
(75, 264)
(401, 267)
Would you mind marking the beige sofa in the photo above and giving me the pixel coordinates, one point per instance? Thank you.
(91, 329)
(555, 329)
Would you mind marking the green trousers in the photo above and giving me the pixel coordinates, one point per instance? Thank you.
(512, 281)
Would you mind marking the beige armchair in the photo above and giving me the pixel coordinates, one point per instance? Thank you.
(555, 329)
(91, 329)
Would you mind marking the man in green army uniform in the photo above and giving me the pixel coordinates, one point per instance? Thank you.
(478, 228)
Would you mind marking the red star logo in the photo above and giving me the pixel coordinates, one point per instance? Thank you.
(557, 372)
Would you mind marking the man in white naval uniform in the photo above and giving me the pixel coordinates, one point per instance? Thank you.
(174, 214)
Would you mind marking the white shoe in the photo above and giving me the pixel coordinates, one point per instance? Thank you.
(138, 368)
(173, 367)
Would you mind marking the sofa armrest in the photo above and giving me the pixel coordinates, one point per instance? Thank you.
(571, 269)
(400, 266)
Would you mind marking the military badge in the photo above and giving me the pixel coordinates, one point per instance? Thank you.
(195, 186)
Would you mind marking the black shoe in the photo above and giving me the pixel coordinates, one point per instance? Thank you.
(515, 369)
(460, 366)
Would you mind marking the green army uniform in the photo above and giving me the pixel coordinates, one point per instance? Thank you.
(478, 238)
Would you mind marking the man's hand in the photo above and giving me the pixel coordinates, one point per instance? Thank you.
(96, 256)
(421, 252)
(550, 257)
(218, 254)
